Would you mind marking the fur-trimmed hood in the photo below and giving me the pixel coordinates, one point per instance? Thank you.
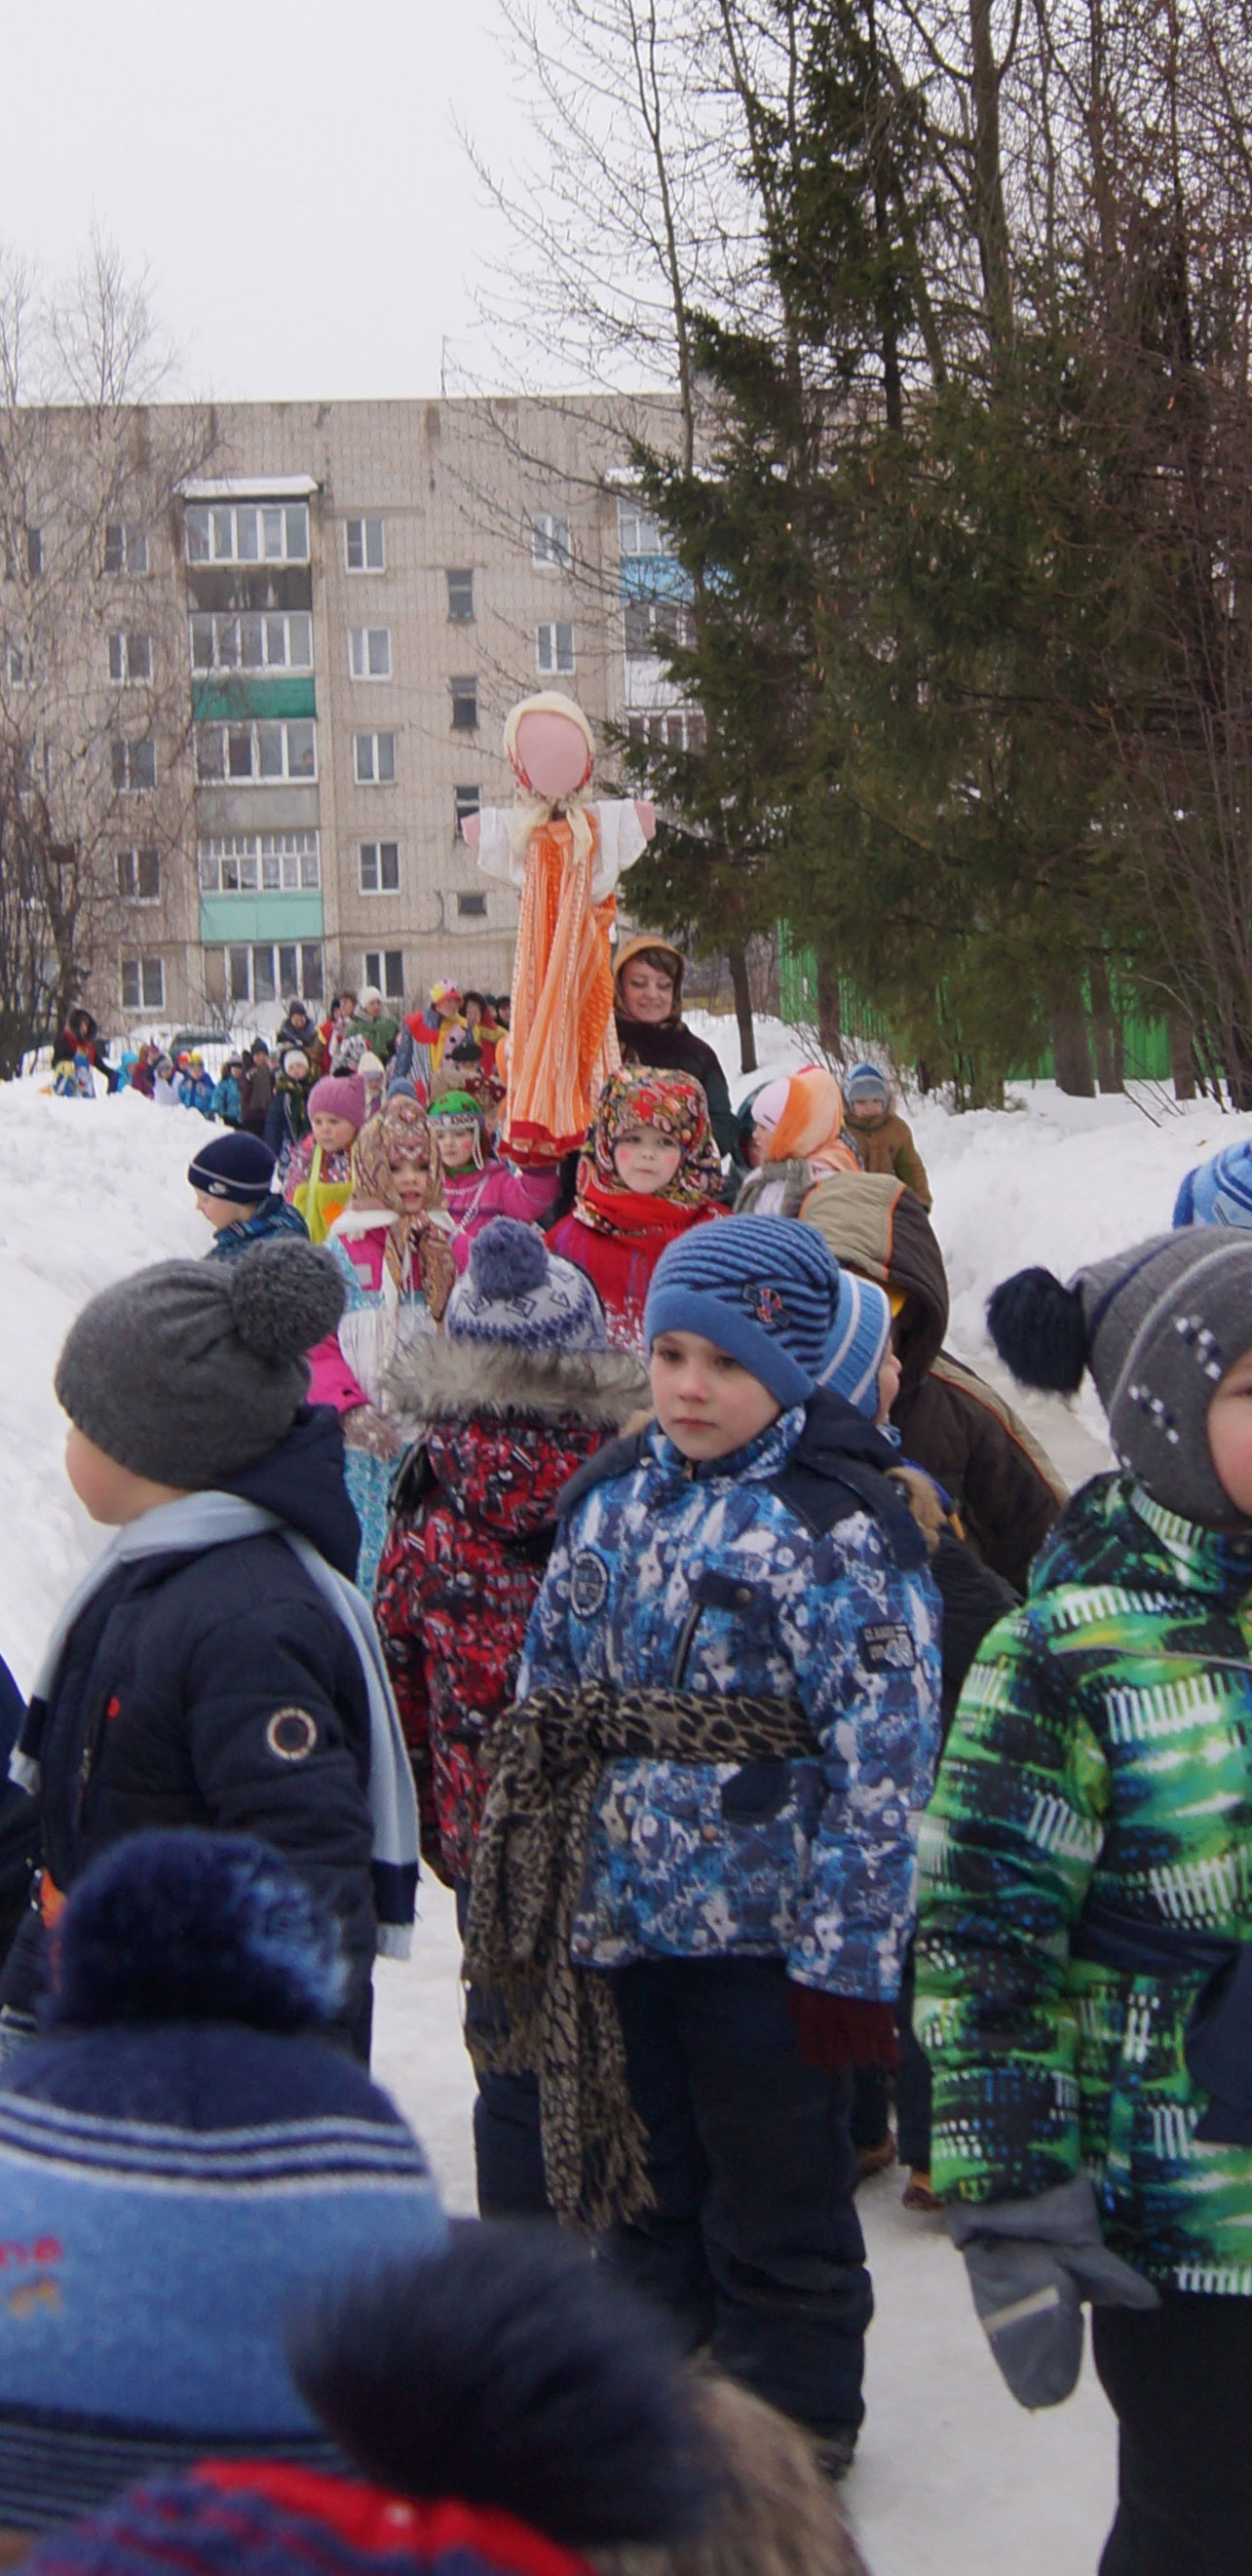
(438, 1380)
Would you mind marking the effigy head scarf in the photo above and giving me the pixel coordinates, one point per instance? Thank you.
(532, 810)
(672, 1103)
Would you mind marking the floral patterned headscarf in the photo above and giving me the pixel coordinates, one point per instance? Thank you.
(401, 1134)
(673, 1103)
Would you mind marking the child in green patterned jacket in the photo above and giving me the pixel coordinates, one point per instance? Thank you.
(1085, 1937)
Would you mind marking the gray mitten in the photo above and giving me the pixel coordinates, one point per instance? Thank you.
(1031, 2263)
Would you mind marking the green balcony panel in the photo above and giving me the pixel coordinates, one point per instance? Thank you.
(252, 693)
(233, 920)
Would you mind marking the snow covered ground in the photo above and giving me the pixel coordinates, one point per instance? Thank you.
(951, 2479)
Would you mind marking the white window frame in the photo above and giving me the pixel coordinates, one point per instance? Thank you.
(548, 636)
(638, 532)
(286, 969)
(375, 962)
(18, 670)
(212, 531)
(371, 777)
(122, 642)
(255, 776)
(471, 904)
(550, 547)
(460, 572)
(369, 652)
(461, 807)
(372, 859)
(252, 863)
(149, 983)
(367, 521)
(132, 563)
(666, 728)
(463, 681)
(227, 638)
(128, 867)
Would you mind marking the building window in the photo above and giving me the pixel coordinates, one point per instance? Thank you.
(554, 647)
(139, 876)
(461, 598)
(272, 641)
(384, 967)
(672, 729)
(134, 766)
(364, 541)
(247, 532)
(379, 867)
(19, 668)
(265, 752)
(262, 973)
(369, 652)
(471, 907)
(34, 557)
(125, 548)
(259, 863)
(465, 801)
(549, 542)
(130, 657)
(464, 705)
(143, 984)
(637, 532)
(650, 626)
(374, 759)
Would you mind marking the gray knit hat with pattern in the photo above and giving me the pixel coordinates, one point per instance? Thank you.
(1158, 1327)
(189, 1371)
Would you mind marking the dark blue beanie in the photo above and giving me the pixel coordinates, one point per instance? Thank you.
(772, 1295)
(236, 1167)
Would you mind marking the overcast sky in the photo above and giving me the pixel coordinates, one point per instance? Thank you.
(291, 174)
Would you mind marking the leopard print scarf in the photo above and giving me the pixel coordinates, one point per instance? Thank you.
(556, 2018)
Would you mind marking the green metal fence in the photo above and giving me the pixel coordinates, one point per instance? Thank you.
(1145, 1043)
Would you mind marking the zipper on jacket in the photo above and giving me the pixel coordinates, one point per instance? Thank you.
(686, 1639)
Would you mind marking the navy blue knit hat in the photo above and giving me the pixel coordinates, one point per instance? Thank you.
(186, 2160)
(773, 1296)
(236, 1167)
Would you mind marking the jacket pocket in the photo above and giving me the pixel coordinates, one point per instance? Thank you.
(757, 1791)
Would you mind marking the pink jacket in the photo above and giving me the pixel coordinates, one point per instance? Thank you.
(475, 1197)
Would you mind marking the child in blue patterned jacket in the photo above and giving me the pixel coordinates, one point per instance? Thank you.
(748, 1549)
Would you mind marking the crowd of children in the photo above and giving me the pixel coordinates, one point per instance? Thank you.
(626, 1542)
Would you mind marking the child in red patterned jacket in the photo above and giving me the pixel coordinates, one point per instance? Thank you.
(515, 1394)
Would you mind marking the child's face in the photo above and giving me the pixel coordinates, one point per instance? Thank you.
(1230, 1433)
(647, 992)
(112, 1494)
(456, 1147)
(888, 1387)
(863, 1112)
(450, 1007)
(706, 1403)
(371, 1010)
(474, 1014)
(644, 1160)
(334, 1135)
(412, 1181)
(220, 1212)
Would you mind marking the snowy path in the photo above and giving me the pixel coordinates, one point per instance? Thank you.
(951, 2478)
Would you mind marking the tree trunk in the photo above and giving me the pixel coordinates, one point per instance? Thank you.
(1110, 1052)
(829, 1016)
(1071, 1053)
(1181, 1058)
(737, 960)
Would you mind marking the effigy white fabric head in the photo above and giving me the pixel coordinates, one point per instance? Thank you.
(549, 748)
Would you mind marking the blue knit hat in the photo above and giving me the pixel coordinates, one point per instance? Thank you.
(516, 1291)
(773, 1296)
(237, 1167)
(865, 1082)
(186, 2161)
(1218, 1192)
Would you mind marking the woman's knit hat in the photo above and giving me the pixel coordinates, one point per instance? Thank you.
(516, 1291)
(1218, 1192)
(339, 1095)
(1158, 1327)
(186, 2161)
(770, 1294)
(187, 1372)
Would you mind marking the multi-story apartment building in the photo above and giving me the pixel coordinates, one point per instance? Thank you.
(361, 591)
